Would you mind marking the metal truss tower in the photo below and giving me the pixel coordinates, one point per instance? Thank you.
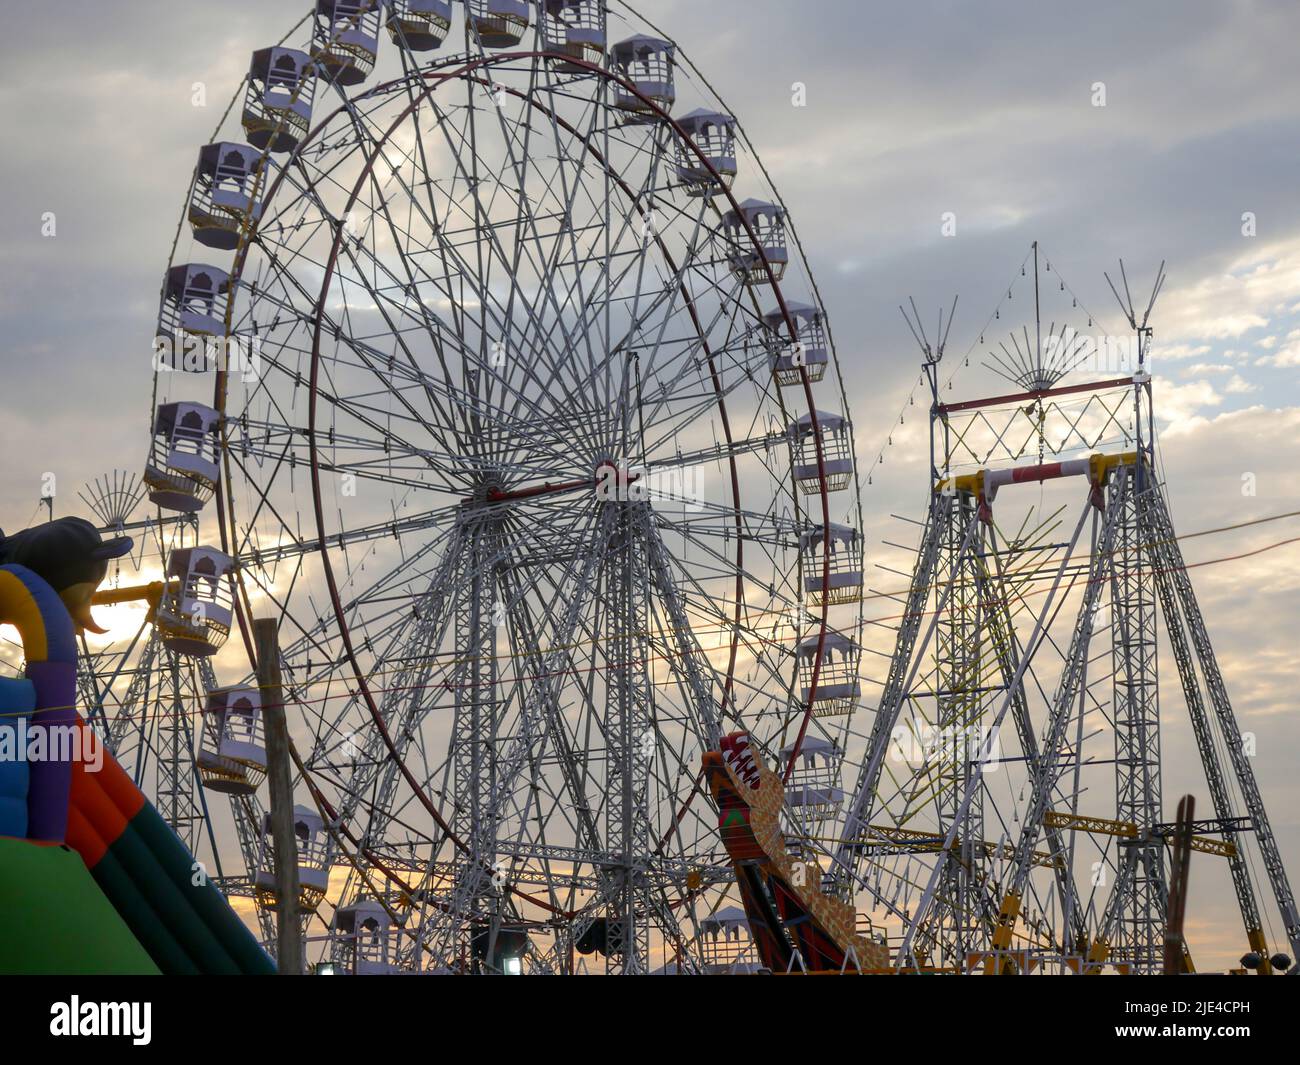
(475, 732)
(959, 696)
(1142, 891)
(629, 747)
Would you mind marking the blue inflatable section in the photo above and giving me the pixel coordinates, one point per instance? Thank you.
(17, 701)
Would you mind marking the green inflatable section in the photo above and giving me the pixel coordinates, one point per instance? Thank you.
(57, 920)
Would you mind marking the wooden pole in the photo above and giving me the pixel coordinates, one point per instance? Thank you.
(1175, 943)
(284, 843)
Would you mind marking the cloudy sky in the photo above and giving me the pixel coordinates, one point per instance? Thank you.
(986, 111)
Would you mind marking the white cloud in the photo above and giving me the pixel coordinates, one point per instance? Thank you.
(1227, 304)
(1179, 407)
(1289, 355)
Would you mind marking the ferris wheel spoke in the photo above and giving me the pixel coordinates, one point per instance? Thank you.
(585, 332)
(461, 399)
(441, 417)
(528, 240)
(690, 659)
(525, 641)
(688, 377)
(365, 416)
(743, 624)
(405, 702)
(663, 303)
(675, 287)
(479, 220)
(700, 533)
(671, 389)
(263, 503)
(402, 240)
(637, 260)
(298, 654)
(571, 190)
(425, 520)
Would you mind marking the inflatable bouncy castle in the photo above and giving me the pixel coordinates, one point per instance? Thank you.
(92, 880)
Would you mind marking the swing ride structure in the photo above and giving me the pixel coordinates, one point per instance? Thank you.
(1007, 811)
(489, 364)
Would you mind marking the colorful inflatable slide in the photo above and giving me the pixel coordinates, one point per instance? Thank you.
(92, 880)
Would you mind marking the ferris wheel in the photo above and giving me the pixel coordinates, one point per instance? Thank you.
(489, 364)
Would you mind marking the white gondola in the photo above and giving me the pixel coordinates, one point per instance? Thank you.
(844, 582)
(225, 199)
(232, 748)
(575, 29)
(313, 861)
(836, 452)
(181, 473)
(364, 940)
(418, 25)
(808, 351)
(346, 38)
(277, 103)
(812, 794)
(752, 257)
(497, 23)
(838, 688)
(194, 611)
(714, 134)
(647, 63)
(194, 302)
(727, 944)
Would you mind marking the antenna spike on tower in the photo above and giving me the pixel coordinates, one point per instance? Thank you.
(925, 350)
(1155, 292)
(951, 313)
(1132, 312)
(919, 324)
(1132, 320)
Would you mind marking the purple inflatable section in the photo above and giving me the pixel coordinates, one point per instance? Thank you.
(47, 796)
